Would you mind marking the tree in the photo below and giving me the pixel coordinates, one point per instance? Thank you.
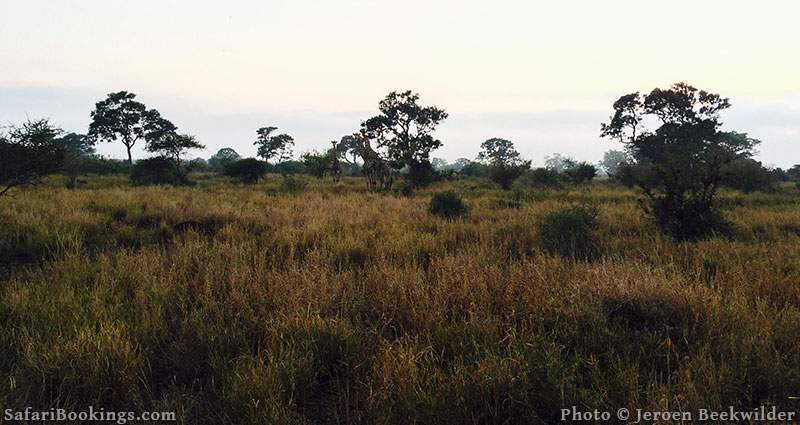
(404, 128)
(29, 152)
(794, 172)
(612, 160)
(747, 175)
(121, 117)
(273, 146)
(439, 164)
(223, 157)
(580, 172)
(173, 145)
(76, 148)
(247, 170)
(316, 163)
(157, 170)
(678, 166)
(348, 145)
(505, 163)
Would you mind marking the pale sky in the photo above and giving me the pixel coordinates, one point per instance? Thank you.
(540, 73)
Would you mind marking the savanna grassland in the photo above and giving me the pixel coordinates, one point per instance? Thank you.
(230, 303)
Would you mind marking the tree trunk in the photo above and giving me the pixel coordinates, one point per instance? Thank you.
(130, 158)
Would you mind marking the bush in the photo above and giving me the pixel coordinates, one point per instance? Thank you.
(157, 170)
(447, 204)
(246, 170)
(421, 174)
(317, 164)
(474, 169)
(95, 164)
(570, 232)
(624, 175)
(580, 172)
(746, 175)
(293, 184)
(291, 167)
(688, 219)
(505, 174)
(541, 177)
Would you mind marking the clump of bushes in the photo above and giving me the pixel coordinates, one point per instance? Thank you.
(541, 178)
(580, 172)
(157, 170)
(570, 232)
(746, 175)
(448, 205)
(248, 170)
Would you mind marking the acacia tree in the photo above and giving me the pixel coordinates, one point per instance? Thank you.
(29, 152)
(678, 165)
(173, 145)
(404, 128)
(273, 146)
(505, 163)
(121, 117)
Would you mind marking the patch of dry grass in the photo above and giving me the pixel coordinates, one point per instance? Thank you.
(336, 305)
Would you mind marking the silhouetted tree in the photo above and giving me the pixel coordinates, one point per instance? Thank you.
(348, 146)
(273, 146)
(173, 145)
(247, 170)
(223, 157)
(505, 163)
(404, 128)
(29, 152)
(121, 117)
(678, 166)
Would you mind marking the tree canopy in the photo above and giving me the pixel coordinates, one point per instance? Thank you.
(405, 128)
(272, 146)
(121, 117)
(678, 165)
(28, 152)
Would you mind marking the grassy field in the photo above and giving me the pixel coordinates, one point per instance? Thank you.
(245, 304)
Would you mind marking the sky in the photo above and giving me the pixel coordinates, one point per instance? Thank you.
(543, 74)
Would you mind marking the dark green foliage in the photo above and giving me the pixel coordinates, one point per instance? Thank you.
(29, 152)
(317, 164)
(404, 128)
(612, 160)
(223, 157)
(120, 117)
(679, 165)
(248, 170)
(290, 167)
(506, 174)
(76, 147)
(746, 175)
(447, 204)
(541, 177)
(624, 174)
(505, 163)
(580, 172)
(474, 169)
(422, 174)
(157, 170)
(570, 232)
(96, 164)
(198, 165)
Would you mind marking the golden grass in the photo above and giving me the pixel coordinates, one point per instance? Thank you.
(336, 305)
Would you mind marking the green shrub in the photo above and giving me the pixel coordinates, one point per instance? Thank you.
(246, 170)
(570, 232)
(447, 204)
(746, 175)
(157, 170)
(580, 172)
(540, 177)
(505, 174)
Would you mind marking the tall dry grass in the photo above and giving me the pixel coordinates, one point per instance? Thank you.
(247, 304)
